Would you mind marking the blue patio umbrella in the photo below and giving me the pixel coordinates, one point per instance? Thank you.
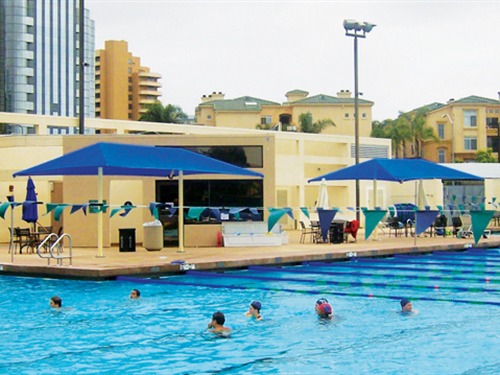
(116, 159)
(30, 207)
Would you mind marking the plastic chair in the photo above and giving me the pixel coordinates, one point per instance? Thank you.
(306, 231)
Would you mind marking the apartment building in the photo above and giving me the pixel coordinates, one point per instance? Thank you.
(123, 87)
(463, 126)
(39, 57)
(248, 112)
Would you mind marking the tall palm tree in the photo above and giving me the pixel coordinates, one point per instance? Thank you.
(171, 114)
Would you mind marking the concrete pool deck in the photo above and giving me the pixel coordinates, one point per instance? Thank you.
(156, 263)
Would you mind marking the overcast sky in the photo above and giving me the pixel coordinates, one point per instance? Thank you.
(420, 51)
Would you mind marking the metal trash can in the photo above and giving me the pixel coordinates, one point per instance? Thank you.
(153, 235)
(127, 239)
(336, 233)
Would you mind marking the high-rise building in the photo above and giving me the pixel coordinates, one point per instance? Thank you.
(39, 57)
(123, 87)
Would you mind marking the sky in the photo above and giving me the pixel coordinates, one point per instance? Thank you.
(420, 52)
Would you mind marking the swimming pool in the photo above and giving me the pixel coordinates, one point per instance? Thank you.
(100, 330)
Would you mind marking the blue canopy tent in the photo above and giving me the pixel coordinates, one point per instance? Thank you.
(115, 159)
(397, 170)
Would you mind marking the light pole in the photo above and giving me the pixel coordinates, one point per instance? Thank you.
(357, 30)
(452, 136)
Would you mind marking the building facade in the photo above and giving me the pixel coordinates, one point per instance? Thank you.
(123, 87)
(463, 127)
(249, 112)
(39, 57)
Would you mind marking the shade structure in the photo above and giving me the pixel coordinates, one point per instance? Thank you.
(399, 170)
(116, 159)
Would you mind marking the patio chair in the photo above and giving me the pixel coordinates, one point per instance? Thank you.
(352, 228)
(394, 225)
(457, 225)
(466, 230)
(440, 225)
(306, 231)
(23, 238)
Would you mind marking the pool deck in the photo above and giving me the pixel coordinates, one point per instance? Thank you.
(86, 265)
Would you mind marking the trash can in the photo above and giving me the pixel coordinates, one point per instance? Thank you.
(127, 239)
(336, 233)
(153, 235)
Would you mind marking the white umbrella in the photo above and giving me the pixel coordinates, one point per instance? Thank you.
(322, 201)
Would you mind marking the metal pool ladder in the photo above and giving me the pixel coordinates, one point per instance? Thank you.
(58, 246)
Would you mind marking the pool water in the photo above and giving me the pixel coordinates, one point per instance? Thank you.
(100, 330)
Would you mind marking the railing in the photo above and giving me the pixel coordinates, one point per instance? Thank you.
(58, 244)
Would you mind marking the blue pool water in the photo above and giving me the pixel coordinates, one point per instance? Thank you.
(100, 330)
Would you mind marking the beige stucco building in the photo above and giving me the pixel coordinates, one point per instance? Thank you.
(123, 87)
(247, 112)
(286, 159)
(463, 126)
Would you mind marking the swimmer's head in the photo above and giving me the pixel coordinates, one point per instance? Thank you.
(219, 318)
(323, 308)
(135, 293)
(256, 305)
(56, 302)
(405, 304)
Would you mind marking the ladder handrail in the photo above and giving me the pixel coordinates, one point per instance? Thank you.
(58, 256)
(42, 244)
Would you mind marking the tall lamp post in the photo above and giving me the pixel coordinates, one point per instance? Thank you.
(357, 30)
(452, 136)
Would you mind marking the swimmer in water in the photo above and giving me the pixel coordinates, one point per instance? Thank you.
(135, 294)
(216, 325)
(56, 302)
(254, 310)
(323, 308)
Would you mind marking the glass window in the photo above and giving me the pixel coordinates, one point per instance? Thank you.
(470, 143)
(441, 131)
(264, 120)
(346, 115)
(441, 156)
(492, 122)
(470, 118)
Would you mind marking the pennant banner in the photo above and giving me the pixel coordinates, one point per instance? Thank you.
(480, 220)
(325, 219)
(77, 207)
(275, 214)
(58, 211)
(305, 211)
(424, 220)
(3, 208)
(195, 212)
(372, 218)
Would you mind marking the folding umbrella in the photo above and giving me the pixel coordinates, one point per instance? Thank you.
(116, 159)
(30, 207)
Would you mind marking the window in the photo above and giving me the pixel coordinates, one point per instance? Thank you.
(470, 118)
(492, 122)
(441, 155)
(363, 115)
(241, 156)
(441, 132)
(264, 120)
(470, 143)
(209, 117)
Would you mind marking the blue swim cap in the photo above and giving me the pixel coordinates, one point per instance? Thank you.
(404, 302)
(256, 305)
(321, 301)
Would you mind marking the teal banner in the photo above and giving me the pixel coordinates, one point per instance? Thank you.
(305, 211)
(372, 218)
(3, 208)
(58, 211)
(480, 220)
(275, 214)
(195, 212)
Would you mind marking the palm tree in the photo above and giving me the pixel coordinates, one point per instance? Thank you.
(171, 114)
(307, 125)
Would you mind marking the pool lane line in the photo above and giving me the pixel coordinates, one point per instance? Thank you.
(443, 262)
(345, 283)
(386, 275)
(354, 264)
(298, 291)
(477, 258)
(411, 259)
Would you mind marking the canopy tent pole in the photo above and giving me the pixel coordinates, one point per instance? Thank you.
(181, 213)
(375, 232)
(11, 246)
(100, 252)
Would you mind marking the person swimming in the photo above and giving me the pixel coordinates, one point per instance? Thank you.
(323, 308)
(55, 302)
(135, 294)
(254, 310)
(407, 307)
(216, 325)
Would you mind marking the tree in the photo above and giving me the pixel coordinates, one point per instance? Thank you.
(171, 114)
(307, 126)
(419, 131)
(485, 156)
